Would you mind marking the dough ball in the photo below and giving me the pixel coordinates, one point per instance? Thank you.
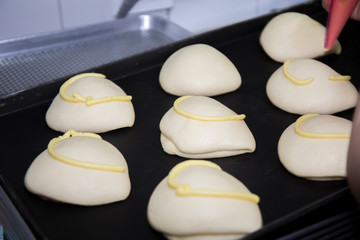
(319, 88)
(82, 181)
(199, 127)
(179, 209)
(295, 35)
(199, 69)
(316, 147)
(108, 114)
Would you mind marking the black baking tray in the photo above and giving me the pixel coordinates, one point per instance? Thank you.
(284, 197)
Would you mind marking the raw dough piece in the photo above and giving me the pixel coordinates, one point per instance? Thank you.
(304, 86)
(295, 35)
(199, 69)
(199, 201)
(112, 111)
(81, 169)
(316, 147)
(201, 127)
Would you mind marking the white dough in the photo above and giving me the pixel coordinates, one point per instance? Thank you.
(295, 35)
(203, 217)
(199, 69)
(193, 138)
(316, 158)
(62, 182)
(63, 115)
(322, 95)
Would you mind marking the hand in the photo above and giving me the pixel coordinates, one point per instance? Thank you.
(355, 14)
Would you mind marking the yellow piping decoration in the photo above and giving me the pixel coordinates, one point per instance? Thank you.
(89, 101)
(187, 190)
(297, 81)
(339, 78)
(95, 166)
(203, 118)
(292, 78)
(303, 133)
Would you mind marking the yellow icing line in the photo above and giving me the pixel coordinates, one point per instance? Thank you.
(203, 118)
(187, 190)
(95, 166)
(303, 133)
(292, 78)
(339, 78)
(89, 101)
(297, 81)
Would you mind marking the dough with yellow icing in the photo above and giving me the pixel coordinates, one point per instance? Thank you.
(195, 138)
(295, 35)
(63, 115)
(85, 183)
(317, 148)
(196, 217)
(199, 69)
(324, 91)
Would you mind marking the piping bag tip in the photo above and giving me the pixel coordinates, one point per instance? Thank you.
(339, 13)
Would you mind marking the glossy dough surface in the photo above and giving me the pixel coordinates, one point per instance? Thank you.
(58, 181)
(295, 35)
(192, 138)
(202, 217)
(63, 115)
(199, 69)
(316, 158)
(322, 95)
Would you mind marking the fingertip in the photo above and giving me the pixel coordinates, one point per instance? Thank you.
(356, 13)
(326, 4)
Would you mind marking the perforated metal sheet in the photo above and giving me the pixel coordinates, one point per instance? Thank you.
(23, 68)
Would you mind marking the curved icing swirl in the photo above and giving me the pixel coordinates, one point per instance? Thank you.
(73, 162)
(201, 117)
(291, 77)
(299, 131)
(307, 81)
(187, 190)
(89, 101)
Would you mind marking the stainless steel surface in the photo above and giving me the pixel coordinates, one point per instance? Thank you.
(125, 8)
(13, 224)
(36, 60)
